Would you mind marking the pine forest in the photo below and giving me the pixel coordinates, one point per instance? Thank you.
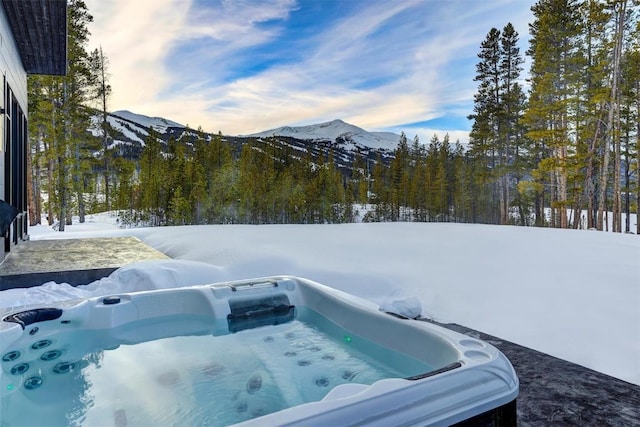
(557, 146)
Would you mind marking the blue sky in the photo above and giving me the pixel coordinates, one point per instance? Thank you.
(243, 66)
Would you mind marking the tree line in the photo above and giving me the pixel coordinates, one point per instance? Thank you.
(572, 144)
(541, 151)
(205, 182)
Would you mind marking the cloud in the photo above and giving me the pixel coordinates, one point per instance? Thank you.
(228, 19)
(134, 36)
(244, 66)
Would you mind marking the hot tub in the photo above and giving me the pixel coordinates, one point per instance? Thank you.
(269, 351)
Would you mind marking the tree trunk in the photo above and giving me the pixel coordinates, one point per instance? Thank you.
(81, 206)
(539, 205)
(613, 111)
(52, 189)
(105, 90)
(33, 191)
(627, 187)
(62, 195)
(589, 181)
(617, 208)
(576, 212)
(590, 193)
(561, 175)
(78, 184)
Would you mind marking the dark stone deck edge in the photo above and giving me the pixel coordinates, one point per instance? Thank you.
(555, 392)
(72, 277)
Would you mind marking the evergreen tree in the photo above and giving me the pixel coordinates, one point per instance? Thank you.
(76, 87)
(360, 179)
(101, 91)
(441, 193)
(553, 73)
(59, 137)
(400, 179)
(125, 201)
(591, 110)
(630, 122)
(512, 145)
(418, 183)
(432, 182)
(485, 131)
(459, 185)
(380, 196)
(152, 189)
(613, 120)
(40, 136)
(496, 137)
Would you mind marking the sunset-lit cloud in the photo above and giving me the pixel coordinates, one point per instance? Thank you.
(243, 66)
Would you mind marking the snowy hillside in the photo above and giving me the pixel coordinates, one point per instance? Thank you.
(157, 123)
(131, 129)
(572, 294)
(336, 131)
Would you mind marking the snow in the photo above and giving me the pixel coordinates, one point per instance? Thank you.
(126, 122)
(333, 130)
(158, 123)
(572, 294)
(134, 127)
(119, 125)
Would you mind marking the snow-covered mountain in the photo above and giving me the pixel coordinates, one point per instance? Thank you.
(128, 132)
(157, 123)
(336, 131)
(130, 129)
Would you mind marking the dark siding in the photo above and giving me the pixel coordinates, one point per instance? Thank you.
(40, 30)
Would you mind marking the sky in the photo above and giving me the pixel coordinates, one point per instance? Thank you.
(245, 66)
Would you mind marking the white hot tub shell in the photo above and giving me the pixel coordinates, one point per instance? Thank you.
(470, 378)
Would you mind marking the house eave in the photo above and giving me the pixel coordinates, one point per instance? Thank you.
(40, 30)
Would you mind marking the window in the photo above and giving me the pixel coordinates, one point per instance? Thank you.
(15, 166)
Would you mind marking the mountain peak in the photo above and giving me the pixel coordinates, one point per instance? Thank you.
(133, 128)
(336, 130)
(157, 123)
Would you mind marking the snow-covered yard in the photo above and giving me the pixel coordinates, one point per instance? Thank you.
(571, 294)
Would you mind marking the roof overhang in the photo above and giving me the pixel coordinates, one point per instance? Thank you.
(40, 30)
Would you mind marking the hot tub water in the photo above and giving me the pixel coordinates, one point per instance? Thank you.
(74, 379)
